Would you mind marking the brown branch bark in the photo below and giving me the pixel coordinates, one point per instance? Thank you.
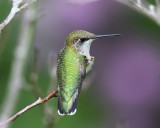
(47, 108)
(36, 103)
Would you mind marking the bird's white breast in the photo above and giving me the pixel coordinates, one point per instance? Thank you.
(84, 49)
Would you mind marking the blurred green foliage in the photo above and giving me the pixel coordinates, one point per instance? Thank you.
(152, 2)
(88, 114)
(8, 41)
(5, 7)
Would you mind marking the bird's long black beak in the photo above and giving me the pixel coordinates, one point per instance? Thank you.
(99, 36)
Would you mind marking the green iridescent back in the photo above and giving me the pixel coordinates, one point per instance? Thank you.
(69, 76)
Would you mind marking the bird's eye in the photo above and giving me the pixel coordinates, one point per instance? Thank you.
(82, 39)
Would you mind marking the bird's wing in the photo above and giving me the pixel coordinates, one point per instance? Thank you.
(83, 74)
(71, 105)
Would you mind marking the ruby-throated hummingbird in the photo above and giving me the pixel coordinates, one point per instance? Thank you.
(74, 62)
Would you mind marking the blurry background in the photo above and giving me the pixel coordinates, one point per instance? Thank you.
(124, 87)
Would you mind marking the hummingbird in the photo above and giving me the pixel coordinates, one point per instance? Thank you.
(73, 64)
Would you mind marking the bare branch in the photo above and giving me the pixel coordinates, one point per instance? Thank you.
(47, 109)
(152, 11)
(16, 79)
(36, 103)
(15, 9)
(49, 115)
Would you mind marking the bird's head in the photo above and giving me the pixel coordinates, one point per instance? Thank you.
(81, 40)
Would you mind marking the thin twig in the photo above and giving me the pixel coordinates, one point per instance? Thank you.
(36, 103)
(47, 109)
(50, 117)
(152, 11)
(22, 50)
(15, 9)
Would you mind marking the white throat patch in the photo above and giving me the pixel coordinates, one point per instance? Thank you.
(84, 48)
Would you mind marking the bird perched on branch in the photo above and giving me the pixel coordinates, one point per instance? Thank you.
(74, 62)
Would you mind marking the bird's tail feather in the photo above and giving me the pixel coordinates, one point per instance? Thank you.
(72, 111)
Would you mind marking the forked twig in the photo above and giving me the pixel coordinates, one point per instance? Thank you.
(16, 80)
(14, 10)
(36, 103)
